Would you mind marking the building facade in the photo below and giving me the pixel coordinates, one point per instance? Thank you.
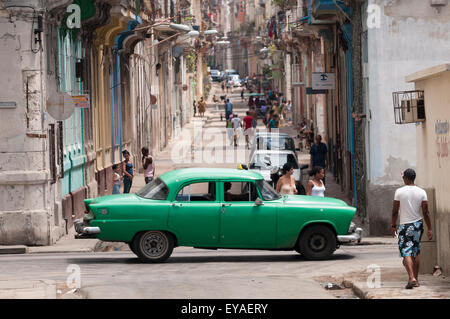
(124, 62)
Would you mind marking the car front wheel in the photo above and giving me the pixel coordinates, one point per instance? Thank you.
(153, 246)
(317, 242)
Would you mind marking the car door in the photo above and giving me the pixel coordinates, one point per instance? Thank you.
(194, 214)
(242, 223)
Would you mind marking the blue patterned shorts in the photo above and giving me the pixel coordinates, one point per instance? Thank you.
(409, 236)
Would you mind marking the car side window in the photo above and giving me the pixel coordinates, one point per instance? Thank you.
(239, 192)
(197, 192)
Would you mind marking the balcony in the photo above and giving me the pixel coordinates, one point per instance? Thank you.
(323, 9)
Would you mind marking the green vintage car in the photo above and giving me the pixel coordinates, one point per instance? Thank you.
(217, 208)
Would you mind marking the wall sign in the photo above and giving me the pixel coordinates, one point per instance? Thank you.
(81, 101)
(323, 81)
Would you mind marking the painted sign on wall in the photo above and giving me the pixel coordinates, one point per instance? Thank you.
(81, 101)
(441, 128)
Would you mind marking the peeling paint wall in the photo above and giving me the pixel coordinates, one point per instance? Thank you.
(29, 213)
(411, 36)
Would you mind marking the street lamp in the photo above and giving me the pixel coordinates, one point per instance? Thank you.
(180, 27)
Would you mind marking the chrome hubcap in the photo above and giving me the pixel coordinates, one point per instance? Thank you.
(154, 244)
(317, 242)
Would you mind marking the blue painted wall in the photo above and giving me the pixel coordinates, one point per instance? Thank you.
(69, 51)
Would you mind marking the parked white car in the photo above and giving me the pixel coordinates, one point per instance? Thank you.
(263, 161)
(263, 140)
(235, 80)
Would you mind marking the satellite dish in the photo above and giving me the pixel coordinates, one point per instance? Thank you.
(60, 105)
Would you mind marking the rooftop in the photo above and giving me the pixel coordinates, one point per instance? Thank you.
(428, 73)
(183, 174)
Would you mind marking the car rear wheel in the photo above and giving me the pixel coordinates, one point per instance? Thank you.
(317, 242)
(153, 246)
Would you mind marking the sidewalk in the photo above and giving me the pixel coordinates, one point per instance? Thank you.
(391, 285)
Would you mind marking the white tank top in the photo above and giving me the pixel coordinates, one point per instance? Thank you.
(318, 191)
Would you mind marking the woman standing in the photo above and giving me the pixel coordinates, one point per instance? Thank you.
(148, 165)
(201, 107)
(315, 186)
(127, 169)
(286, 183)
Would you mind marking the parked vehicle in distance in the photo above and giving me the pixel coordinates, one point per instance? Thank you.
(215, 75)
(234, 78)
(271, 141)
(264, 161)
(229, 72)
(217, 208)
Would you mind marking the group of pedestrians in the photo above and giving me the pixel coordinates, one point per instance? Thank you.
(127, 169)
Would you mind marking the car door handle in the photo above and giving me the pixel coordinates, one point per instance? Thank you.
(177, 205)
(223, 207)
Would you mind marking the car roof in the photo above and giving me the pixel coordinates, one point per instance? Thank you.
(282, 152)
(197, 173)
(272, 134)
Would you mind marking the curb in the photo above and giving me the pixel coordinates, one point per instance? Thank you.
(361, 294)
(61, 251)
(16, 249)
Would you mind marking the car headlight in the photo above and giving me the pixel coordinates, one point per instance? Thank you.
(352, 228)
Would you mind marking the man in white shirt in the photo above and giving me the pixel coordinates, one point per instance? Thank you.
(237, 123)
(407, 203)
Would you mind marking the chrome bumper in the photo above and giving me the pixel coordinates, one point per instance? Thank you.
(85, 231)
(356, 236)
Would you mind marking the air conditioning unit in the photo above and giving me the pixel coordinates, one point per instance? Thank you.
(409, 107)
(413, 110)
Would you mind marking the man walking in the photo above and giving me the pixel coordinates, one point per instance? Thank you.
(407, 203)
(248, 129)
(237, 124)
(318, 154)
(228, 109)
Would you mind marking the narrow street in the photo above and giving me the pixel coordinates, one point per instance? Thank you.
(125, 172)
(195, 273)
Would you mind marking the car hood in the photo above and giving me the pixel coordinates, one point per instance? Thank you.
(313, 200)
(122, 198)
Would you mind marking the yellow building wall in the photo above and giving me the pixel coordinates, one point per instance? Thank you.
(433, 161)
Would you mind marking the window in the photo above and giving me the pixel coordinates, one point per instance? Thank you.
(267, 191)
(156, 189)
(275, 143)
(197, 192)
(264, 161)
(239, 192)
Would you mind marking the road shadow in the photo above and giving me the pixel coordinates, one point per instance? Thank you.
(174, 259)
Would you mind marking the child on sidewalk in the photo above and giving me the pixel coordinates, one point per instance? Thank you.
(116, 179)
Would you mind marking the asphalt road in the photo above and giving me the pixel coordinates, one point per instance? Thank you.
(196, 273)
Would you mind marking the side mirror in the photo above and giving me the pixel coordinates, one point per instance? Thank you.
(258, 202)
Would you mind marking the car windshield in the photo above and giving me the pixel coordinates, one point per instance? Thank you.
(265, 161)
(267, 191)
(275, 143)
(156, 189)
